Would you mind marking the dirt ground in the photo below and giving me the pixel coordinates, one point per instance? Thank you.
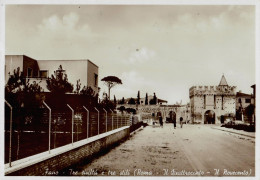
(194, 150)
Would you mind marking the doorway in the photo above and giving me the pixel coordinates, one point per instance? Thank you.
(209, 117)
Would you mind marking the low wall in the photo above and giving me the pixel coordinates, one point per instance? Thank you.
(60, 158)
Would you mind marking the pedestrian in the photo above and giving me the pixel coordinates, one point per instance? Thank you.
(160, 119)
(181, 121)
(173, 119)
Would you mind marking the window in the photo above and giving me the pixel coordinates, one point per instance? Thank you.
(29, 72)
(248, 100)
(95, 79)
(239, 100)
(43, 73)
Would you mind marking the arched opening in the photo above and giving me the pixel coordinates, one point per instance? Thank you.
(171, 117)
(209, 117)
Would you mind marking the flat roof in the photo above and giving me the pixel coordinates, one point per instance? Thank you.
(52, 59)
(71, 60)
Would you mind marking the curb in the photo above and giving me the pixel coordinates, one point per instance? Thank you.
(234, 132)
(139, 129)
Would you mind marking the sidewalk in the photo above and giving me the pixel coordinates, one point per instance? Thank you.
(235, 131)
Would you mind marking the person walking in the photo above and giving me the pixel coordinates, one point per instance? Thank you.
(181, 121)
(160, 119)
(173, 120)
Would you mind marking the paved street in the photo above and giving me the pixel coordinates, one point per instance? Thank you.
(193, 150)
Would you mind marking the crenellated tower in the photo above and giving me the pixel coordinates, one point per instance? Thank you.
(212, 104)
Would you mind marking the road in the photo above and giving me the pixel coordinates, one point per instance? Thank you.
(194, 150)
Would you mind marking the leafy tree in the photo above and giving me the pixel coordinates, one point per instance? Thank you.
(249, 111)
(146, 99)
(131, 101)
(121, 108)
(18, 91)
(138, 97)
(58, 83)
(107, 104)
(16, 82)
(111, 81)
(90, 96)
(87, 90)
(131, 110)
(21, 93)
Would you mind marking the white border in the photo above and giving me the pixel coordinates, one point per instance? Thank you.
(129, 2)
(134, 2)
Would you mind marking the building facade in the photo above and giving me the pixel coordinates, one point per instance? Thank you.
(212, 104)
(39, 70)
(243, 100)
(150, 111)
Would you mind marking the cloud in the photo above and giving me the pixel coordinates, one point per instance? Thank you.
(211, 23)
(65, 27)
(140, 56)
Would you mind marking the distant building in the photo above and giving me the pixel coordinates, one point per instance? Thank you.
(212, 104)
(243, 100)
(142, 101)
(159, 101)
(40, 70)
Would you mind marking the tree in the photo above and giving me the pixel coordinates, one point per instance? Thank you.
(115, 99)
(249, 111)
(122, 101)
(16, 82)
(89, 93)
(111, 81)
(78, 86)
(58, 83)
(105, 96)
(18, 91)
(154, 100)
(121, 108)
(87, 90)
(131, 110)
(107, 104)
(138, 97)
(146, 99)
(131, 101)
(21, 93)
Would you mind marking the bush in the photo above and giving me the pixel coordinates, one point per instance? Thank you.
(245, 127)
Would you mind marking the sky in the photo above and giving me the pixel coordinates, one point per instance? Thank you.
(164, 49)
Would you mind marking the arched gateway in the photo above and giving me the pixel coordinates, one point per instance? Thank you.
(209, 117)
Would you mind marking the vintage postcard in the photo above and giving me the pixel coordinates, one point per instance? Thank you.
(129, 89)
